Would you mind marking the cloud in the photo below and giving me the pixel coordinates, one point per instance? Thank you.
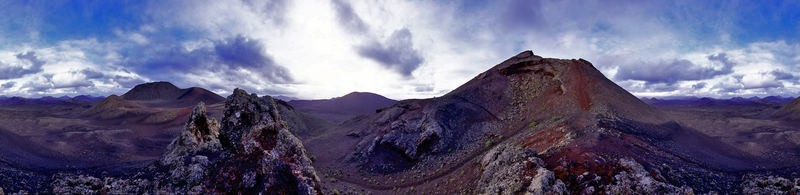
(68, 80)
(348, 18)
(397, 53)
(219, 19)
(671, 71)
(699, 85)
(522, 15)
(241, 52)
(8, 84)
(780, 75)
(12, 72)
(759, 81)
(220, 65)
(127, 81)
(91, 74)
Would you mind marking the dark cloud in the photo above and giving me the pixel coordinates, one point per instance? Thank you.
(271, 9)
(398, 53)
(723, 59)
(699, 85)
(8, 85)
(12, 72)
(226, 57)
(91, 74)
(241, 52)
(423, 88)
(127, 82)
(348, 18)
(522, 14)
(675, 70)
(780, 75)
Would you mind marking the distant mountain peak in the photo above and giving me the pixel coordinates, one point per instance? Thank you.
(357, 94)
(153, 91)
(167, 91)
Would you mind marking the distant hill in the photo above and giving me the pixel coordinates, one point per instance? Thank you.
(114, 107)
(707, 101)
(48, 100)
(789, 111)
(342, 108)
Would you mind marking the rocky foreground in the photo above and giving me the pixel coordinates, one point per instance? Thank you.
(250, 151)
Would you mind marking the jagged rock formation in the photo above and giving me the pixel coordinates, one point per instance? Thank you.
(199, 134)
(251, 152)
(513, 170)
(272, 159)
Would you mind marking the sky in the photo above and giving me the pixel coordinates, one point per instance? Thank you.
(314, 49)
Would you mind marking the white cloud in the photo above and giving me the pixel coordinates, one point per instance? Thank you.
(65, 69)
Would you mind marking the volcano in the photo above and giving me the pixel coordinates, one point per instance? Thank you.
(167, 94)
(576, 121)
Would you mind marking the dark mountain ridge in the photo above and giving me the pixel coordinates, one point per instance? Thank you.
(48, 100)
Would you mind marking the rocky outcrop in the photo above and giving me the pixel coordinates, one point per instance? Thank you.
(251, 152)
(634, 179)
(760, 184)
(513, 170)
(272, 159)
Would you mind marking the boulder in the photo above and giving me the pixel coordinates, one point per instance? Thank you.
(510, 169)
(634, 179)
(769, 184)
